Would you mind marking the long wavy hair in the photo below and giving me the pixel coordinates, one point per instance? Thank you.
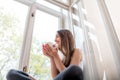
(67, 45)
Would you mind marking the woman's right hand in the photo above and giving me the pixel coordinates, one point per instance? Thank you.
(44, 51)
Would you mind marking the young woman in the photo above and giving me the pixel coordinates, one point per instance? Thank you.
(65, 68)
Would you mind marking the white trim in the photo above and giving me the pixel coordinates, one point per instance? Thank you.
(112, 36)
(48, 10)
(25, 53)
(90, 72)
(60, 4)
(41, 7)
(74, 2)
(26, 2)
(95, 40)
(89, 25)
(70, 20)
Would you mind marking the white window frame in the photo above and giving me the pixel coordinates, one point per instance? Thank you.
(25, 52)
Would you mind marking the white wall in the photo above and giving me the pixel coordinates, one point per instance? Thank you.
(94, 17)
(114, 10)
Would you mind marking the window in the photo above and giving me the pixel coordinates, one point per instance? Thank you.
(49, 5)
(45, 29)
(12, 23)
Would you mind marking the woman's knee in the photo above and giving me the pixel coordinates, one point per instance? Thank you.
(74, 68)
(11, 72)
(75, 72)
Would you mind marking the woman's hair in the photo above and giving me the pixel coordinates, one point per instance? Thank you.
(67, 45)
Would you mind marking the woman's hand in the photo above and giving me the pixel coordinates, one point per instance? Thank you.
(45, 51)
(50, 51)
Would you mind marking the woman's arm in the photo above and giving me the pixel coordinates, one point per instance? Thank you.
(54, 70)
(77, 57)
(56, 59)
(60, 66)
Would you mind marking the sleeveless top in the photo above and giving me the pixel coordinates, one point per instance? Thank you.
(61, 57)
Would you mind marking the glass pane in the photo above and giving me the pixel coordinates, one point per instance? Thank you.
(79, 40)
(48, 4)
(12, 23)
(79, 37)
(45, 29)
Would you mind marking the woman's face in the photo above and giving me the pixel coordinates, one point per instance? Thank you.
(58, 40)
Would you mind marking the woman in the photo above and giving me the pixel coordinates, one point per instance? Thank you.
(66, 68)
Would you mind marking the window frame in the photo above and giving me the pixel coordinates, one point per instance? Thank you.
(27, 40)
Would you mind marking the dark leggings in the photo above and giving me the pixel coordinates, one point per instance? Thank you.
(71, 73)
(17, 75)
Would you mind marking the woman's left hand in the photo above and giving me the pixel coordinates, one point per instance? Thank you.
(52, 51)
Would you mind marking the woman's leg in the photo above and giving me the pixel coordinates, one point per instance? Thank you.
(73, 72)
(17, 75)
